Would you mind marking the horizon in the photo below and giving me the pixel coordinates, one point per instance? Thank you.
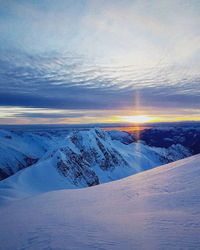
(105, 125)
(85, 62)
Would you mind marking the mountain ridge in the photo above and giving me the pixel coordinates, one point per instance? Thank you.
(81, 159)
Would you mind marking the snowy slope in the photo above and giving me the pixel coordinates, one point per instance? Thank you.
(102, 151)
(85, 158)
(156, 209)
(20, 149)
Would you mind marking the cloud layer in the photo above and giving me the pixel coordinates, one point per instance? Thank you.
(84, 56)
(69, 83)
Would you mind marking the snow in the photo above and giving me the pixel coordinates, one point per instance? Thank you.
(20, 149)
(155, 209)
(91, 155)
(80, 159)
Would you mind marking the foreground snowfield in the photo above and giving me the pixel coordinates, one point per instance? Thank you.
(156, 209)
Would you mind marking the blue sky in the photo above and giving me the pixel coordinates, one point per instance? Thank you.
(99, 61)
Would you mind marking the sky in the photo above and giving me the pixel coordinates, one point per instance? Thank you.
(99, 61)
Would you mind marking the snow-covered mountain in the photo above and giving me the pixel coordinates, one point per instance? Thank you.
(20, 149)
(78, 159)
(156, 209)
(188, 137)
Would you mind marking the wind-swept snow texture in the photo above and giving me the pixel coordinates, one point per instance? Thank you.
(156, 209)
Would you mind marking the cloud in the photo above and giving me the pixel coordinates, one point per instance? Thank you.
(65, 82)
(138, 32)
(50, 115)
(99, 55)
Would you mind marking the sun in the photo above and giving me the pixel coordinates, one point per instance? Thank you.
(137, 119)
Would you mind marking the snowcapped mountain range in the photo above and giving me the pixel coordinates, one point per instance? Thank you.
(43, 204)
(43, 161)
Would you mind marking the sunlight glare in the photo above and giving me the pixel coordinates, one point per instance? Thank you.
(137, 119)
